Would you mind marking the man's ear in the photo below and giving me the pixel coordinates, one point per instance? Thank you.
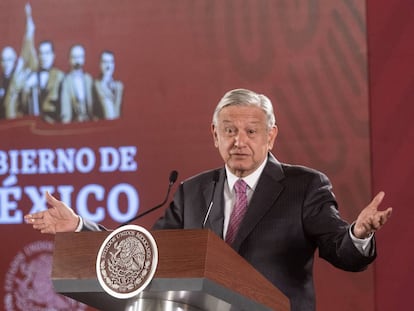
(272, 136)
(214, 133)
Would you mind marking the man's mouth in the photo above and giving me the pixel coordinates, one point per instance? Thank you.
(235, 154)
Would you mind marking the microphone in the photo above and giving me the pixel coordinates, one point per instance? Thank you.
(172, 180)
(216, 177)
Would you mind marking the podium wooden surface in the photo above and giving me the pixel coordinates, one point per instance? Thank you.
(195, 268)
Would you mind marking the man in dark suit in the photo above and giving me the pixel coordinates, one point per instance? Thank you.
(40, 97)
(289, 211)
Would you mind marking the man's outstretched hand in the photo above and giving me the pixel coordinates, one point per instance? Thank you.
(57, 218)
(371, 219)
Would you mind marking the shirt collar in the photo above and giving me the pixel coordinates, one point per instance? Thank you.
(251, 180)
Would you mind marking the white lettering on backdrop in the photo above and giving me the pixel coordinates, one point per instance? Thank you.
(82, 161)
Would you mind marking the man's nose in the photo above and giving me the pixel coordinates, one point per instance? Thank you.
(240, 139)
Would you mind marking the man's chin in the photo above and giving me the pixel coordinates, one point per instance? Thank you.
(239, 169)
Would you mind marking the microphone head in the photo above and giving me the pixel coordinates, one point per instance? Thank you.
(216, 176)
(173, 177)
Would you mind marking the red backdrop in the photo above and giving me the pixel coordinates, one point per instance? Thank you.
(176, 59)
(390, 29)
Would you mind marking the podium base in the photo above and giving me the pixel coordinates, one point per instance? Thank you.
(142, 304)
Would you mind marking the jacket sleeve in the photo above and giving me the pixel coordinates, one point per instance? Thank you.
(324, 225)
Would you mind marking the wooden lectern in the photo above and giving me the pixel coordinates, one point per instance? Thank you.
(196, 271)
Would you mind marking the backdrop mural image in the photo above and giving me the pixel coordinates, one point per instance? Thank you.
(99, 103)
(31, 86)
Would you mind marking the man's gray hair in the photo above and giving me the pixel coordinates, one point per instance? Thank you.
(244, 97)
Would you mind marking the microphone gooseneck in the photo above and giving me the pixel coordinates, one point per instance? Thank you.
(216, 177)
(172, 180)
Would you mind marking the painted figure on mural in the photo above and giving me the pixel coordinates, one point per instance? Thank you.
(41, 94)
(15, 71)
(76, 95)
(107, 91)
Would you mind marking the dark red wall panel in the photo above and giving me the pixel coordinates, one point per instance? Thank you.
(391, 67)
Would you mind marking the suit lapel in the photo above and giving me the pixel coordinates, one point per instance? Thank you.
(264, 197)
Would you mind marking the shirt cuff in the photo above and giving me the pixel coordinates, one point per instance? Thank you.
(363, 245)
(80, 225)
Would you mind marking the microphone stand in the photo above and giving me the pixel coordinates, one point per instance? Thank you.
(173, 178)
(216, 177)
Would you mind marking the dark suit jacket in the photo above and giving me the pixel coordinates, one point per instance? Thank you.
(291, 213)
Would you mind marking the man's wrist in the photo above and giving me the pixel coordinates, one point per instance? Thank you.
(351, 231)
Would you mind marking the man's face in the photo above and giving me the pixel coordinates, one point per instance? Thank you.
(242, 137)
(77, 57)
(107, 64)
(46, 56)
(8, 59)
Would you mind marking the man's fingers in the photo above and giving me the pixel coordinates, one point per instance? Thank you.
(39, 226)
(35, 220)
(370, 219)
(44, 221)
(39, 223)
(30, 218)
(376, 201)
(388, 212)
(379, 219)
(51, 199)
(38, 215)
(48, 230)
(385, 215)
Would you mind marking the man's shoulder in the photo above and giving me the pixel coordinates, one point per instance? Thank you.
(57, 71)
(300, 170)
(56, 75)
(204, 176)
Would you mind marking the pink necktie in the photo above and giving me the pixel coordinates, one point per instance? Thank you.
(239, 210)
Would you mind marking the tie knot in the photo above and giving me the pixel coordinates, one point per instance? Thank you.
(240, 186)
